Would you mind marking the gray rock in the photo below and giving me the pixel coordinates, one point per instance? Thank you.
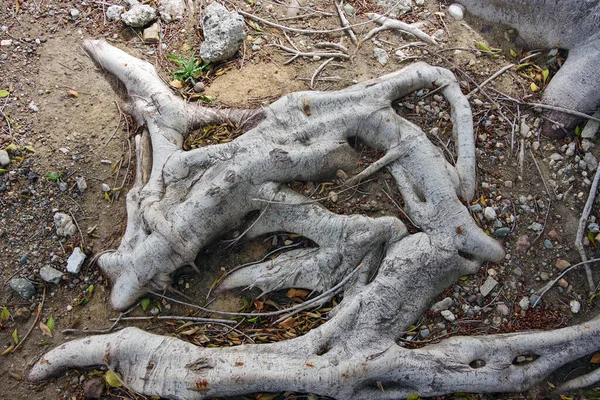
(171, 10)
(448, 315)
(75, 261)
(4, 158)
(476, 208)
(348, 9)
(456, 11)
(398, 7)
(548, 244)
(113, 13)
(381, 55)
(223, 33)
(22, 287)
(50, 274)
(442, 305)
(502, 232)
(590, 161)
(489, 213)
(424, 333)
(593, 227)
(536, 226)
(199, 87)
(75, 13)
(152, 33)
(535, 298)
(503, 309)
(81, 184)
(489, 285)
(64, 224)
(419, 2)
(524, 303)
(591, 128)
(139, 16)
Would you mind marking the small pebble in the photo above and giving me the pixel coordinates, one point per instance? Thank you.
(575, 306)
(562, 264)
(448, 315)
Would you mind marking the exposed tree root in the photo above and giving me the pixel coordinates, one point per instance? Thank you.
(182, 201)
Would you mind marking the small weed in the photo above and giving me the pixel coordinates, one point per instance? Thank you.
(54, 176)
(190, 69)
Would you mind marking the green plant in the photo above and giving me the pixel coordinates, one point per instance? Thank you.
(54, 176)
(190, 69)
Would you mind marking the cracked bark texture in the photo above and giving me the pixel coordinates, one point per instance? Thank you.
(182, 201)
(568, 24)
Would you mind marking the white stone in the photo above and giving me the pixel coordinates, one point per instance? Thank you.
(114, 12)
(456, 11)
(81, 184)
(441, 305)
(64, 224)
(171, 10)
(524, 303)
(381, 55)
(6, 42)
(75, 261)
(591, 128)
(139, 16)
(489, 213)
(575, 306)
(448, 315)
(4, 158)
(489, 285)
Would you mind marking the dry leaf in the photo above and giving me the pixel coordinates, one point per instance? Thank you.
(176, 84)
(72, 93)
(45, 330)
(288, 323)
(297, 293)
(113, 379)
(595, 359)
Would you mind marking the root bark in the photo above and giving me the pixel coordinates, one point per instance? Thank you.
(182, 201)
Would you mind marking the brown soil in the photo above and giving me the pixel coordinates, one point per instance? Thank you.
(85, 135)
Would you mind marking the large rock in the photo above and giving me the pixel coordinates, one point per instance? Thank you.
(171, 10)
(22, 287)
(139, 16)
(64, 224)
(223, 33)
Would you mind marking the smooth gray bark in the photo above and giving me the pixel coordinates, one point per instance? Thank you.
(181, 201)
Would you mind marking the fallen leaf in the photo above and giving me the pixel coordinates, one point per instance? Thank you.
(15, 336)
(8, 350)
(534, 87)
(297, 293)
(288, 323)
(5, 315)
(545, 74)
(188, 332)
(4, 93)
(483, 46)
(113, 379)
(11, 147)
(595, 359)
(29, 149)
(176, 84)
(145, 302)
(413, 396)
(45, 330)
(513, 53)
(72, 93)
(16, 376)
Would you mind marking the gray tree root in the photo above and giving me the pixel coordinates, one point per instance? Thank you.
(182, 201)
(567, 24)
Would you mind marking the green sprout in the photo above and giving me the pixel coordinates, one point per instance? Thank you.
(190, 69)
(54, 176)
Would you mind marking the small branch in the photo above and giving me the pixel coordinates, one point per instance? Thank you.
(177, 317)
(580, 382)
(582, 221)
(388, 24)
(345, 22)
(40, 307)
(319, 69)
(296, 53)
(306, 31)
(551, 284)
(117, 128)
(491, 78)
(290, 310)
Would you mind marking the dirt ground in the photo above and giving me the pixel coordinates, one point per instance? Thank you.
(63, 115)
